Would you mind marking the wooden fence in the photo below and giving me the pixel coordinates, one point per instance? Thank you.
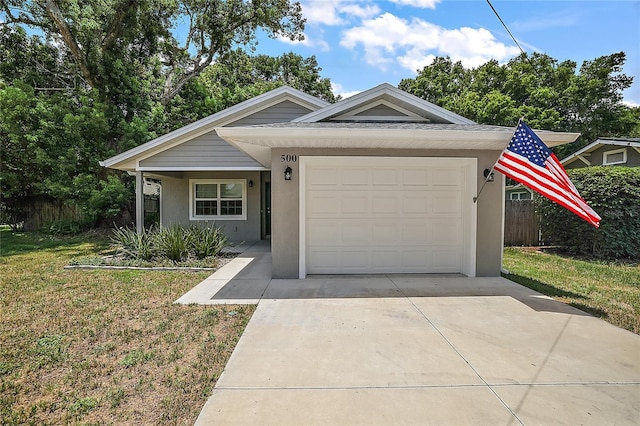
(40, 213)
(521, 223)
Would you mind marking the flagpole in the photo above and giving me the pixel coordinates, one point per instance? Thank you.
(475, 199)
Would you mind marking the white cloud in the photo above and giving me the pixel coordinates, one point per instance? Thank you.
(412, 44)
(307, 42)
(337, 89)
(425, 4)
(631, 103)
(322, 12)
(337, 12)
(362, 12)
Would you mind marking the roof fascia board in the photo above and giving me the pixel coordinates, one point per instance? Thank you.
(383, 89)
(201, 169)
(205, 124)
(275, 137)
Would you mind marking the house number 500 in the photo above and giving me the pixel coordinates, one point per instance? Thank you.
(288, 158)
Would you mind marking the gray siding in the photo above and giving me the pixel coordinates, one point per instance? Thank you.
(209, 150)
(175, 204)
(281, 113)
(596, 157)
(381, 111)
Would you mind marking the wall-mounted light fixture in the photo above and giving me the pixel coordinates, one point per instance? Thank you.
(287, 173)
(488, 175)
(250, 184)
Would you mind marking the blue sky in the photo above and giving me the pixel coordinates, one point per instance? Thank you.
(360, 43)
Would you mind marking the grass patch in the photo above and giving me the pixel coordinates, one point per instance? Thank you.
(607, 290)
(103, 346)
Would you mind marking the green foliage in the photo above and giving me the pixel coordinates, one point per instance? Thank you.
(134, 245)
(614, 193)
(172, 243)
(550, 95)
(176, 243)
(205, 242)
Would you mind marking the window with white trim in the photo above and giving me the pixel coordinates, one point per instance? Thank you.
(520, 196)
(218, 199)
(617, 156)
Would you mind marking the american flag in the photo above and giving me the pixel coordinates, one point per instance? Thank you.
(529, 161)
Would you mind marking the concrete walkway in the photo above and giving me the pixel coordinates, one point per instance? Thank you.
(417, 349)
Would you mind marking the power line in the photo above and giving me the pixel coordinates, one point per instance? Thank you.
(506, 28)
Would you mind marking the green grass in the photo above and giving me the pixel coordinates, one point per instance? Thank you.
(103, 346)
(610, 291)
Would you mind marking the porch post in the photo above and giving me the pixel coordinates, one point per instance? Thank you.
(139, 202)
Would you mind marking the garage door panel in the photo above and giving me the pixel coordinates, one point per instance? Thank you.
(356, 259)
(415, 178)
(383, 218)
(319, 177)
(415, 203)
(355, 177)
(386, 233)
(354, 204)
(385, 177)
(355, 233)
(447, 203)
(385, 204)
(449, 177)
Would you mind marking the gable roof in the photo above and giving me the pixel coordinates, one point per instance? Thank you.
(631, 142)
(128, 159)
(412, 107)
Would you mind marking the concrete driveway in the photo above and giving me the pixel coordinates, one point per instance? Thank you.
(422, 349)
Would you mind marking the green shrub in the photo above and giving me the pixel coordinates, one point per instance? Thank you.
(614, 193)
(205, 242)
(133, 245)
(175, 243)
(172, 243)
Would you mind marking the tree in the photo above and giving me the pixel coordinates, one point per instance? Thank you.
(127, 50)
(549, 94)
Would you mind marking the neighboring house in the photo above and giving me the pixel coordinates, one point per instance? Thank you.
(606, 152)
(518, 192)
(381, 182)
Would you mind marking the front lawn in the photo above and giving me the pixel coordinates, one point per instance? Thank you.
(607, 290)
(103, 346)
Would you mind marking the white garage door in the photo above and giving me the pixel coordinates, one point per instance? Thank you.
(386, 215)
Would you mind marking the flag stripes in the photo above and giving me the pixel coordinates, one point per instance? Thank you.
(529, 161)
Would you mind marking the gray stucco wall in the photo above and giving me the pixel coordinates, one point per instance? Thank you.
(285, 210)
(175, 204)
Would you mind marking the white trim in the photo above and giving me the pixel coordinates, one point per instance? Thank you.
(470, 209)
(302, 231)
(193, 182)
(583, 159)
(202, 169)
(623, 151)
(388, 91)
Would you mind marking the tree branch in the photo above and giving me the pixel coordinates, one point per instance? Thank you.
(53, 10)
(115, 28)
